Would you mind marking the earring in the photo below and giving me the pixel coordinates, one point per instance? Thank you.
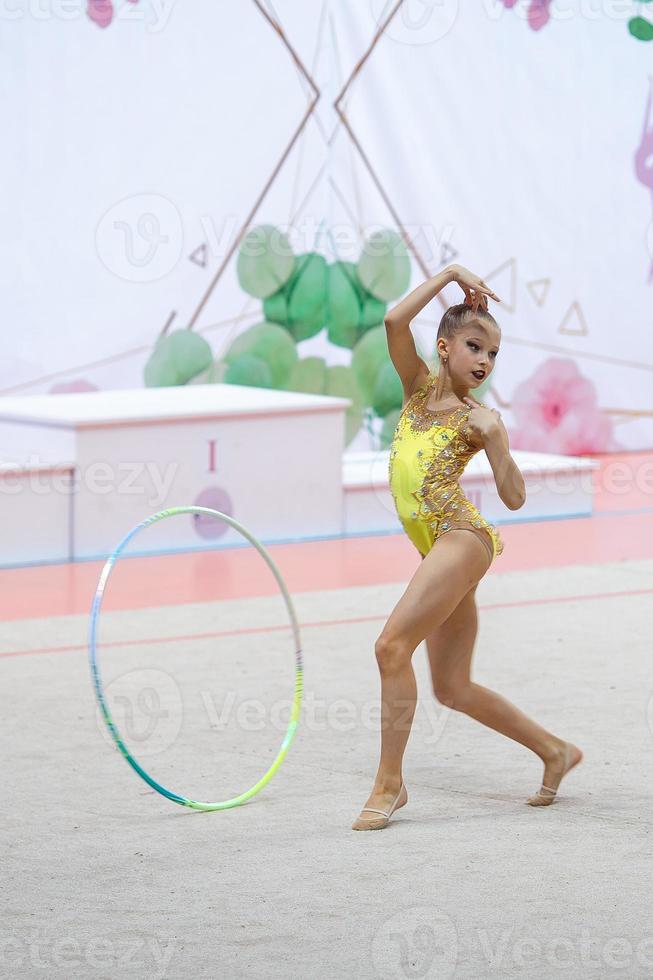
(439, 388)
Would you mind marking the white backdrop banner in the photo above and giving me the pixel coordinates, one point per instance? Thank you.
(146, 142)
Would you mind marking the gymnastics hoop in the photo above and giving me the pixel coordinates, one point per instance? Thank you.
(97, 678)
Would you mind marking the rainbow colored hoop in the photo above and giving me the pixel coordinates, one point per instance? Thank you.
(97, 679)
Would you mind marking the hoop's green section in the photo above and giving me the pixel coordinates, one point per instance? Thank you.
(97, 677)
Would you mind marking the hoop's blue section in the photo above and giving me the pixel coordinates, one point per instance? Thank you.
(97, 676)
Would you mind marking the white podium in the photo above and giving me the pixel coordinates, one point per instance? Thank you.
(270, 459)
(556, 487)
(78, 471)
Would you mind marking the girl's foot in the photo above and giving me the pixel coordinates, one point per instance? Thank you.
(380, 806)
(564, 759)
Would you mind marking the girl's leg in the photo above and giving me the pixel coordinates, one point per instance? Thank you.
(450, 648)
(455, 563)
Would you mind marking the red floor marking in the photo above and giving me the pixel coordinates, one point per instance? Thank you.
(137, 583)
(75, 648)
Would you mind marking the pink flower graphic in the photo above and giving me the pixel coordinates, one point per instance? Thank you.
(67, 387)
(539, 13)
(101, 11)
(556, 412)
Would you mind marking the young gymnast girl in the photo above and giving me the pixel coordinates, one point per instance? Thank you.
(439, 430)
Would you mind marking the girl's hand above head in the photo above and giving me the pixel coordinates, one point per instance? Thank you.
(482, 421)
(475, 289)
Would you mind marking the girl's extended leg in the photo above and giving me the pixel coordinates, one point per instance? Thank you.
(450, 648)
(456, 562)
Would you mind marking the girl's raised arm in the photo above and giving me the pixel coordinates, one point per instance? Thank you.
(410, 367)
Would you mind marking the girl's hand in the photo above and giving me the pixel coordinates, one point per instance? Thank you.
(475, 290)
(482, 421)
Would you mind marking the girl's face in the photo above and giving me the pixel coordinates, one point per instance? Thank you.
(475, 348)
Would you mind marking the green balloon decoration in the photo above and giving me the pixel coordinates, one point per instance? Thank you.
(272, 345)
(641, 28)
(275, 307)
(307, 303)
(372, 313)
(369, 355)
(344, 307)
(302, 295)
(301, 304)
(384, 266)
(341, 383)
(213, 374)
(388, 390)
(265, 261)
(176, 359)
(305, 293)
(311, 375)
(248, 369)
(308, 375)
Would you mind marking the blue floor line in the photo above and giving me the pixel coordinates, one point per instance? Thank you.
(382, 532)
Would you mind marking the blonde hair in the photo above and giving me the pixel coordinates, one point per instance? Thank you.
(457, 316)
(453, 319)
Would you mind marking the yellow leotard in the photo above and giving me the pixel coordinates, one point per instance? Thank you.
(427, 457)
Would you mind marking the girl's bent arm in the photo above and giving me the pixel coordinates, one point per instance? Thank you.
(401, 346)
(415, 302)
(507, 475)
